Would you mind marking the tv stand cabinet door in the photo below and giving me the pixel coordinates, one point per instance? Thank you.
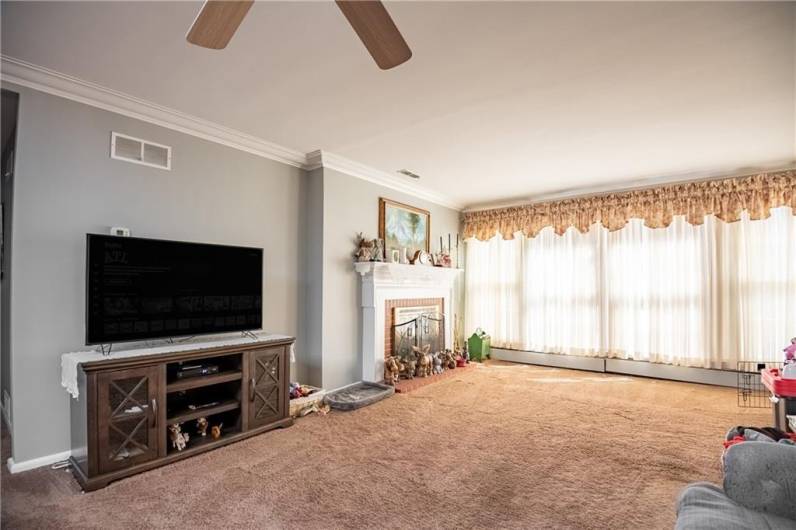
(127, 417)
(266, 385)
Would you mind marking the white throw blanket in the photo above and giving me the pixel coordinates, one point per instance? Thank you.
(70, 361)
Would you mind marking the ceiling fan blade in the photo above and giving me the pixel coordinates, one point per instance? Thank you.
(217, 22)
(378, 32)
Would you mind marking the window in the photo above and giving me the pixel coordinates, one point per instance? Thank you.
(705, 295)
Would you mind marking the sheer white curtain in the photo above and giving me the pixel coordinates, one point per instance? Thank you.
(659, 303)
(561, 292)
(707, 296)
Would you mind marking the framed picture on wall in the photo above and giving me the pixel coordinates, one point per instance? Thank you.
(403, 226)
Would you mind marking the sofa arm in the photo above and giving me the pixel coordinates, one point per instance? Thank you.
(762, 476)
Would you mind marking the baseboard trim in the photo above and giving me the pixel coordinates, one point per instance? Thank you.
(669, 372)
(686, 374)
(27, 465)
(575, 362)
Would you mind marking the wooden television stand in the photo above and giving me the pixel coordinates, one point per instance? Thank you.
(120, 423)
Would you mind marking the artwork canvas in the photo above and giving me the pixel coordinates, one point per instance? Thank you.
(402, 226)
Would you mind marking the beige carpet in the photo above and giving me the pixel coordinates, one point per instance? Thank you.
(500, 446)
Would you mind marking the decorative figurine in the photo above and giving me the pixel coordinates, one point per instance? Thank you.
(410, 366)
(201, 426)
(378, 250)
(424, 360)
(461, 362)
(215, 431)
(442, 259)
(392, 370)
(178, 439)
(450, 360)
(364, 250)
(438, 363)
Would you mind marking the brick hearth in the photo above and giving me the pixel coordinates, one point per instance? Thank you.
(407, 385)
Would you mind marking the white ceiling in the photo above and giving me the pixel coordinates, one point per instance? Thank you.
(500, 101)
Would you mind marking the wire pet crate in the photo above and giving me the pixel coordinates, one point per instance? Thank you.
(751, 391)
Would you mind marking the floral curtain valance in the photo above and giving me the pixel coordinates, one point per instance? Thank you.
(725, 198)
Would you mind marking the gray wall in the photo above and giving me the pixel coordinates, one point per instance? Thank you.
(351, 205)
(310, 366)
(66, 185)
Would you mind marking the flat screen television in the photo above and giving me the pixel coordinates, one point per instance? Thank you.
(140, 289)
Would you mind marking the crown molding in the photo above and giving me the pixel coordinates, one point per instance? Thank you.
(325, 159)
(45, 80)
(19, 72)
(637, 184)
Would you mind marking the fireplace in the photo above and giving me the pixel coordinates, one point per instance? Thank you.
(413, 322)
(387, 286)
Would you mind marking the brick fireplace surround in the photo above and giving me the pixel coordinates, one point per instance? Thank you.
(389, 305)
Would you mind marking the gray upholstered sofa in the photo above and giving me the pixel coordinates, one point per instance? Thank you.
(759, 491)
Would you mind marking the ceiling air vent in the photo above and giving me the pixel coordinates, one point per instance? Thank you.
(409, 173)
(140, 151)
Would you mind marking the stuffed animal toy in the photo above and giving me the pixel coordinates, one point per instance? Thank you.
(410, 366)
(424, 360)
(392, 370)
(790, 352)
(461, 362)
(178, 439)
(201, 426)
(450, 360)
(438, 363)
(215, 431)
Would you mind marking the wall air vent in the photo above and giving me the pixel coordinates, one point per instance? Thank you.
(409, 173)
(140, 151)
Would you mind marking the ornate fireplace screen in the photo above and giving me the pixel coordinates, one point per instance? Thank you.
(428, 327)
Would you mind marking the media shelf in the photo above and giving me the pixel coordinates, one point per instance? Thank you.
(120, 423)
(228, 422)
(203, 380)
(188, 414)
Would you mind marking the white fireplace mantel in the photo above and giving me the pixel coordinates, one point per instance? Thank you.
(394, 281)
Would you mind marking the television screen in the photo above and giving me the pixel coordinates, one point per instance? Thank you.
(148, 288)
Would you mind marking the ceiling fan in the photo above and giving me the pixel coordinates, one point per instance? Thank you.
(218, 20)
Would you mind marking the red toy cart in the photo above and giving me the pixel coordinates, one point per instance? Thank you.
(783, 396)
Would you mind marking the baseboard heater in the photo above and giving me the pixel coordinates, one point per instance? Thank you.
(620, 366)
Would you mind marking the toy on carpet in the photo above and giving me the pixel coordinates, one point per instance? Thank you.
(320, 408)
